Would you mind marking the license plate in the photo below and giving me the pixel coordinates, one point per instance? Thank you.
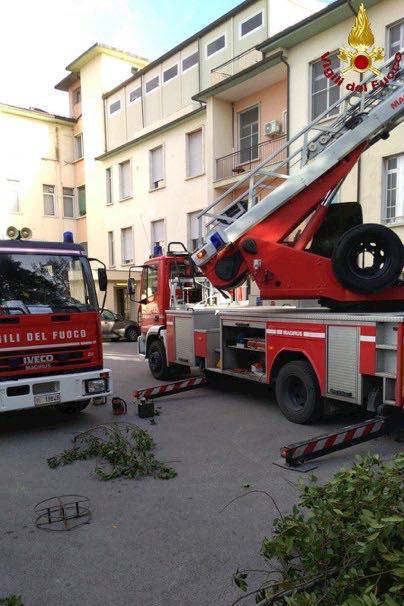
(45, 399)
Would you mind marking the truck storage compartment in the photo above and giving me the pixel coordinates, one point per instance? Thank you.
(185, 323)
(244, 353)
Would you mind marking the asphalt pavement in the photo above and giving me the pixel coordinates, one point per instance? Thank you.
(152, 542)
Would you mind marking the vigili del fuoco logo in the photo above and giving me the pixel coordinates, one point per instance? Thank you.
(360, 57)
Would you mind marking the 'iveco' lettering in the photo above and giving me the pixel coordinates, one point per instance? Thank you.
(30, 360)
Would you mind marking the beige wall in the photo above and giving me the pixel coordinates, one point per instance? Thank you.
(179, 196)
(174, 98)
(38, 152)
(299, 58)
(271, 101)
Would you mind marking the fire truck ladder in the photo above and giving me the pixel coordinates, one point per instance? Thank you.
(361, 117)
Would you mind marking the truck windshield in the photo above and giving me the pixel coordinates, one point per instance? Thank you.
(41, 283)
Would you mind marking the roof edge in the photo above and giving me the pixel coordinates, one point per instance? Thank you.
(234, 11)
(35, 113)
(151, 133)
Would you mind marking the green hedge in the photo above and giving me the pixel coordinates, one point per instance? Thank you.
(342, 545)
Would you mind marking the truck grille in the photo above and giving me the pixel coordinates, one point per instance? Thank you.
(38, 360)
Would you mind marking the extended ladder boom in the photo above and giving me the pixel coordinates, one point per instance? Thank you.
(364, 118)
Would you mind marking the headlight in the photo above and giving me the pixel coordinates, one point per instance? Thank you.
(96, 386)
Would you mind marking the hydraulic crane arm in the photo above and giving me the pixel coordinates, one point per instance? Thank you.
(302, 178)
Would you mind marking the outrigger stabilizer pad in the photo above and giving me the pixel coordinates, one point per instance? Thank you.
(295, 456)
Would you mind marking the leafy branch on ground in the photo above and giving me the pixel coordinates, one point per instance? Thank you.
(342, 545)
(124, 450)
(11, 600)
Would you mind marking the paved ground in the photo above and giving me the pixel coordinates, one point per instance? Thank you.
(151, 542)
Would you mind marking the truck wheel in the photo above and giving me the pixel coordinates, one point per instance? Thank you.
(73, 407)
(368, 258)
(131, 334)
(298, 393)
(158, 361)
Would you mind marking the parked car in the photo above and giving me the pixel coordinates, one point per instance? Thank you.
(114, 326)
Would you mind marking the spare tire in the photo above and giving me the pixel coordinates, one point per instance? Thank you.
(368, 258)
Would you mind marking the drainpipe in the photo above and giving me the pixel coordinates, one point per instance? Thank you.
(283, 60)
(351, 7)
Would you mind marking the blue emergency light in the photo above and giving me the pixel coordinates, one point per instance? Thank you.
(217, 240)
(68, 236)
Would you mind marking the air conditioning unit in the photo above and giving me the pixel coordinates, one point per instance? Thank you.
(273, 128)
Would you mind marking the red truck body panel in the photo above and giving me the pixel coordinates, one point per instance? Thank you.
(38, 344)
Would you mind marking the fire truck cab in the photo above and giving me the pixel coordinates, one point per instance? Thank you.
(50, 337)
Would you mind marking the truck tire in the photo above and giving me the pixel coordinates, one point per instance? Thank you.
(384, 255)
(298, 393)
(73, 407)
(158, 361)
(132, 334)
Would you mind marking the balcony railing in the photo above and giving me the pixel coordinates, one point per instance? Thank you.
(235, 65)
(244, 160)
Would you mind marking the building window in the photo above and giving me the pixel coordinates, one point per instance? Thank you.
(194, 153)
(395, 38)
(77, 95)
(193, 230)
(78, 146)
(157, 167)
(251, 24)
(393, 206)
(68, 202)
(115, 107)
(127, 245)
(111, 249)
(152, 84)
(216, 45)
(135, 94)
(190, 61)
(125, 180)
(13, 196)
(81, 196)
(170, 73)
(324, 92)
(49, 200)
(248, 133)
(108, 184)
(158, 234)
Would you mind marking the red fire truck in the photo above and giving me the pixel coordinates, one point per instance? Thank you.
(50, 338)
(286, 232)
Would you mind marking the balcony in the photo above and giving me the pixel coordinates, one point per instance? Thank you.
(235, 65)
(244, 160)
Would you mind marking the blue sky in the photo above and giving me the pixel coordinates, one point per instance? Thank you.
(38, 39)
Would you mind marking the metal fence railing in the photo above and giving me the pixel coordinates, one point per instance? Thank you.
(244, 160)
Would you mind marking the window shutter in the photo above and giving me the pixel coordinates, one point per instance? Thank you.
(111, 249)
(195, 156)
(68, 202)
(125, 180)
(49, 200)
(82, 200)
(13, 196)
(127, 245)
(157, 167)
(158, 231)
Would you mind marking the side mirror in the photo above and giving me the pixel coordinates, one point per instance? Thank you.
(102, 279)
(131, 286)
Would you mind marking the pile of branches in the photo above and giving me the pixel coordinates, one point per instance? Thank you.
(122, 450)
(11, 600)
(342, 545)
